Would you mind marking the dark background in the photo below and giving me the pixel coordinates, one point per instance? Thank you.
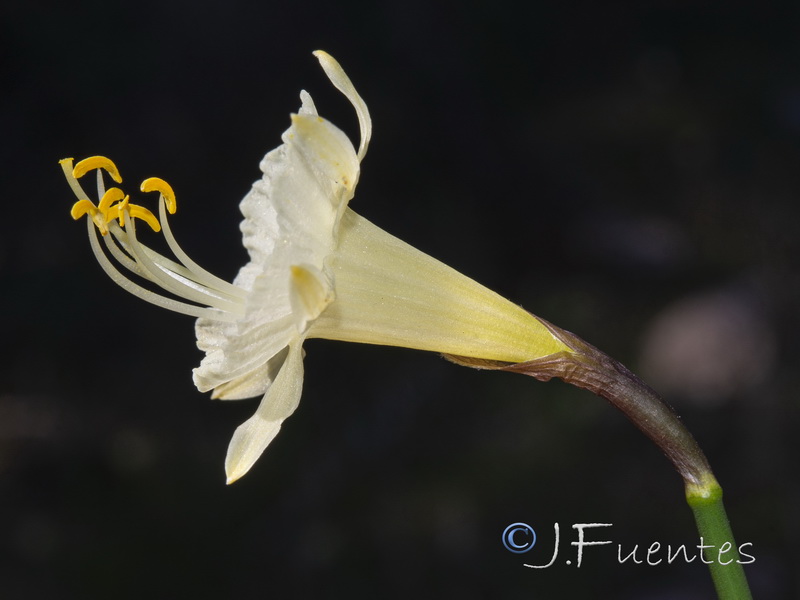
(628, 171)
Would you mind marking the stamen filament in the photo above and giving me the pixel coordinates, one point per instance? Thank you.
(165, 280)
(203, 276)
(66, 166)
(124, 259)
(145, 294)
(179, 272)
(118, 246)
(101, 186)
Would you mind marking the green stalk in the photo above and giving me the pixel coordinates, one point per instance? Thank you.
(586, 367)
(722, 557)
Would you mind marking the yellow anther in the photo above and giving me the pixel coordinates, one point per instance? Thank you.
(140, 212)
(96, 162)
(111, 196)
(85, 207)
(115, 211)
(135, 211)
(156, 184)
(82, 207)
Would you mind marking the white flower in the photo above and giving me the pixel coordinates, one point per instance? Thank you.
(316, 269)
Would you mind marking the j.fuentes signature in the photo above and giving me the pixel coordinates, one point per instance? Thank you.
(521, 537)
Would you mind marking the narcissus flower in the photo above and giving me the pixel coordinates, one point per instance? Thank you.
(317, 269)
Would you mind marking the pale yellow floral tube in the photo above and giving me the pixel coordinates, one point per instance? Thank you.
(390, 293)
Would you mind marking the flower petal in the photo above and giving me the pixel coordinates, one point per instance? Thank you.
(299, 198)
(242, 354)
(328, 151)
(308, 107)
(342, 82)
(254, 383)
(311, 292)
(253, 436)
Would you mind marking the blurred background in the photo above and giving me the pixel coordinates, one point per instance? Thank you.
(628, 171)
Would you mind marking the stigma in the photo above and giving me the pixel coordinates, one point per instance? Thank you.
(192, 290)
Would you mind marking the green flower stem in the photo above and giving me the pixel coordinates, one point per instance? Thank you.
(723, 555)
(586, 367)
